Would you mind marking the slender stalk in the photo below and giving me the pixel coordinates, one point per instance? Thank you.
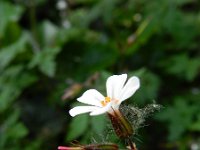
(32, 18)
(131, 144)
(33, 22)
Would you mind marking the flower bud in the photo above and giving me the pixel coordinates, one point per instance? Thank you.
(70, 148)
(121, 125)
(106, 146)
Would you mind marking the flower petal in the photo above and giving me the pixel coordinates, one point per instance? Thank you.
(91, 97)
(115, 84)
(101, 110)
(129, 89)
(82, 109)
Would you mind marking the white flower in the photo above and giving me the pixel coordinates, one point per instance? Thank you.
(117, 92)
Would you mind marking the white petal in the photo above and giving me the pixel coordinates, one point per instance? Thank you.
(91, 97)
(82, 109)
(114, 85)
(130, 87)
(101, 110)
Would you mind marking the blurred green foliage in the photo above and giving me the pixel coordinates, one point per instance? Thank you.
(53, 50)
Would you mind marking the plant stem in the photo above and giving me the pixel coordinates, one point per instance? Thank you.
(131, 144)
(32, 18)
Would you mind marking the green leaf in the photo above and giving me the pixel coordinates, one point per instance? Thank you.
(98, 124)
(48, 33)
(150, 84)
(144, 32)
(18, 131)
(12, 34)
(182, 66)
(179, 26)
(181, 2)
(195, 126)
(98, 57)
(12, 130)
(12, 83)
(77, 127)
(107, 7)
(7, 54)
(8, 13)
(178, 116)
(193, 69)
(45, 60)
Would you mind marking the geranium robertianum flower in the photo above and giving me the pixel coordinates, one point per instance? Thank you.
(117, 92)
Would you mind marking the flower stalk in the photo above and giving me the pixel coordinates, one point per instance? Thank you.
(132, 145)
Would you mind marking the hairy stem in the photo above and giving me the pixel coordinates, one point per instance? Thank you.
(131, 144)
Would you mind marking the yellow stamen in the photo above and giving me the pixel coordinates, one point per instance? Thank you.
(105, 101)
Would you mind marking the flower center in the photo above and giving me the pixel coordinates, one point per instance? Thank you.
(105, 101)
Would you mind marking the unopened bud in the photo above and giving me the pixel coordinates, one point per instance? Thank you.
(106, 146)
(69, 148)
(121, 125)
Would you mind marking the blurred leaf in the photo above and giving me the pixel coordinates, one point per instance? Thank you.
(84, 1)
(182, 66)
(107, 7)
(179, 117)
(83, 17)
(99, 124)
(182, 29)
(193, 68)
(149, 87)
(146, 29)
(195, 126)
(12, 82)
(12, 34)
(8, 53)
(8, 13)
(48, 32)
(100, 83)
(45, 60)
(77, 127)
(33, 145)
(99, 57)
(181, 2)
(18, 131)
(79, 19)
(11, 130)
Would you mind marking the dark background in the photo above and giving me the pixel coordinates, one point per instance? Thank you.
(52, 51)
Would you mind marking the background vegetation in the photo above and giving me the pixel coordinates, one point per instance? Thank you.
(52, 51)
